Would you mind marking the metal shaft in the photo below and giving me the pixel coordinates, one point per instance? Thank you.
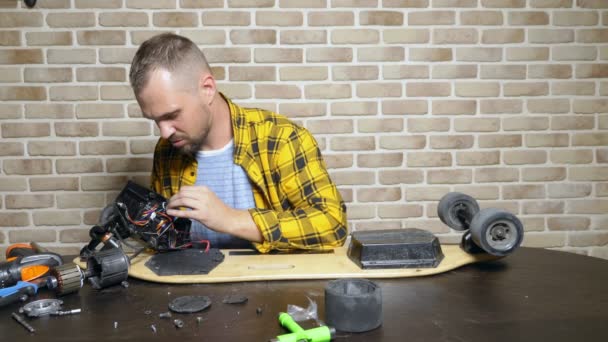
(23, 323)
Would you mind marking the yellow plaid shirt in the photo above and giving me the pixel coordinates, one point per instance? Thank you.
(297, 204)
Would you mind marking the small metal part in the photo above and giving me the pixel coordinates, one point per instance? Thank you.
(41, 307)
(165, 315)
(153, 327)
(199, 320)
(69, 312)
(23, 323)
(147, 312)
(178, 323)
(115, 325)
(259, 310)
(125, 284)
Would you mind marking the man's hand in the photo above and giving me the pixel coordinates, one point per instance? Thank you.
(211, 211)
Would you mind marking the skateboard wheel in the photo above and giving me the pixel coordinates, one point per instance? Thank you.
(353, 305)
(496, 231)
(456, 210)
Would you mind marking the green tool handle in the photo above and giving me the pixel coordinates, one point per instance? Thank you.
(320, 334)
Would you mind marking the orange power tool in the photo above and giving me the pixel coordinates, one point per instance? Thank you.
(27, 262)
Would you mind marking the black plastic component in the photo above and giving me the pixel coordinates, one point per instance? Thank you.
(185, 262)
(235, 299)
(456, 210)
(107, 267)
(468, 245)
(395, 248)
(496, 231)
(189, 304)
(353, 305)
(30, 3)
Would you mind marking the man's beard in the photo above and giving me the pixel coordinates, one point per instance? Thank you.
(194, 146)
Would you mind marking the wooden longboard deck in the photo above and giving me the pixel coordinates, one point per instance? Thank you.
(263, 267)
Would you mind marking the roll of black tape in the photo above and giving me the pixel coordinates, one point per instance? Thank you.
(353, 305)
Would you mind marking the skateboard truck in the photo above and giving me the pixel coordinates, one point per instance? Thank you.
(491, 230)
(319, 334)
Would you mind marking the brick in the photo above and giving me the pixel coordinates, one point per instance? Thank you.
(477, 124)
(80, 165)
(550, 36)
(279, 18)
(103, 74)
(426, 193)
(383, 18)
(353, 143)
(405, 3)
(454, 107)
(226, 18)
(332, 54)
(54, 184)
(49, 111)
(236, 91)
(11, 111)
(73, 93)
(354, 3)
(380, 125)
(455, 3)
(138, 37)
(432, 18)
(568, 190)
(591, 4)
(550, 71)
(572, 156)
(573, 88)
(524, 157)
(434, 226)
(590, 139)
(545, 240)
(500, 106)
(500, 140)
(357, 212)
(503, 3)
(572, 122)
(453, 71)
(575, 18)
(330, 126)
(590, 106)
(76, 129)
(603, 122)
(374, 225)
(592, 70)
(405, 71)
(21, 56)
(380, 160)
(597, 206)
(353, 177)
(97, 183)
(477, 89)
(141, 146)
(389, 177)
(568, 223)
(543, 174)
(502, 36)
(76, 20)
(429, 159)
(101, 37)
(20, 130)
(327, 91)
(251, 3)
(303, 37)
(588, 173)
(400, 211)
(38, 235)
(448, 176)
(523, 191)
(400, 107)
(71, 56)
(478, 18)
(547, 140)
(29, 201)
(549, 105)
(355, 36)
(331, 18)
(252, 73)
(124, 19)
(48, 74)
(10, 75)
(592, 35)
(496, 174)
(201, 3)
(526, 89)
(480, 192)
(551, 3)
(99, 110)
(455, 36)
(427, 89)
(430, 54)
(20, 19)
(418, 125)
(527, 18)
(502, 72)
(478, 54)
(543, 207)
(302, 3)
(380, 54)
(278, 55)
(334, 161)
(574, 53)
(601, 189)
(107, 147)
(144, 4)
(411, 142)
(57, 218)
(451, 141)
(406, 36)
(11, 149)
(377, 90)
(48, 38)
(354, 108)
(80, 200)
(253, 36)
(527, 54)
(51, 148)
(379, 194)
(97, 4)
(116, 92)
(203, 37)
(74, 235)
(347, 73)
(14, 219)
(27, 167)
(477, 158)
(120, 129)
(602, 155)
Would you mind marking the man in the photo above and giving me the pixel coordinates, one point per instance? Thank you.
(243, 175)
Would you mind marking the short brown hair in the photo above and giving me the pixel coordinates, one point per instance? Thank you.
(165, 51)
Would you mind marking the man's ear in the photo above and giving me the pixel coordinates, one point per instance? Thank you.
(207, 87)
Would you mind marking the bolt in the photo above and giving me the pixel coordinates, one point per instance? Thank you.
(199, 320)
(259, 310)
(165, 315)
(115, 325)
(178, 323)
(125, 284)
(153, 327)
(23, 323)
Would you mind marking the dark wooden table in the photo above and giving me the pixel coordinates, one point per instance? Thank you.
(532, 295)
